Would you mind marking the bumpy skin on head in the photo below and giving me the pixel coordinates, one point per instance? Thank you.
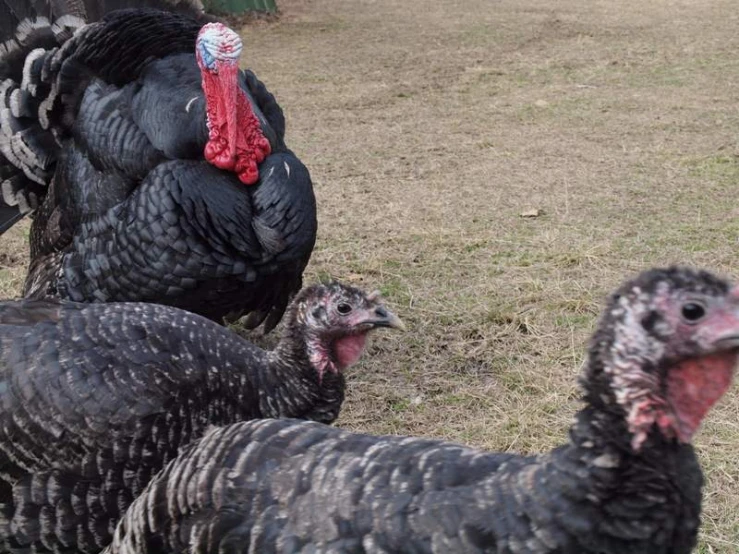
(287, 486)
(95, 399)
(643, 335)
(235, 139)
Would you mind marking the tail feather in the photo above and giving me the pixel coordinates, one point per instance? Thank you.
(12, 12)
(27, 151)
(31, 81)
(49, 50)
(17, 193)
(65, 26)
(30, 34)
(22, 141)
(20, 103)
(37, 150)
(6, 89)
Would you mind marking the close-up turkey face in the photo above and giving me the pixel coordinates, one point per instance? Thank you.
(235, 139)
(337, 320)
(666, 351)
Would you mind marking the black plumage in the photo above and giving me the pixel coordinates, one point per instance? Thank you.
(627, 481)
(96, 398)
(102, 137)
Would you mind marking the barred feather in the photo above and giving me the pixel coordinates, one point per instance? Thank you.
(130, 385)
(275, 486)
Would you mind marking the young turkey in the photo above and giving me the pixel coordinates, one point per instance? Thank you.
(157, 170)
(627, 480)
(96, 398)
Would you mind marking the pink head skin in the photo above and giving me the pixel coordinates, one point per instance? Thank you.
(668, 346)
(337, 319)
(235, 139)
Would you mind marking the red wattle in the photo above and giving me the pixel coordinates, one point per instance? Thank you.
(694, 386)
(235, 139)
(348, 349)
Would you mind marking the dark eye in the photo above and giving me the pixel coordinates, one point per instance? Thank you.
(343, 308)
(693, 312)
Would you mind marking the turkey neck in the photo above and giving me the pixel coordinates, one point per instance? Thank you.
(290, 384)
(242, 381)
(595, 495)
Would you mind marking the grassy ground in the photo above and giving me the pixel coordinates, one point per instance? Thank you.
(429, 127)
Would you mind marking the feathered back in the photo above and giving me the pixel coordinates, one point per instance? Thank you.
(43, 71)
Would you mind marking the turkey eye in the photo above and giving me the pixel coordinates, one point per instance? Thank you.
(343, 308)
(692, 312)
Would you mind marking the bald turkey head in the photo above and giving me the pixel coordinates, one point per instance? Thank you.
(665, 351)
(235, 139)
(335, 320)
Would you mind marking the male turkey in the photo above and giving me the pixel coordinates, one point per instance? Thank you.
(627, 480)
(96, 398)
(157, 170)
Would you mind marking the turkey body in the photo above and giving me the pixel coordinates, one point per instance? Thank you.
(626, 480)
(282, 486)
(96, 398)
(133, 211)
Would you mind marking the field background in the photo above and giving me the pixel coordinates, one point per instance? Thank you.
(429, 127)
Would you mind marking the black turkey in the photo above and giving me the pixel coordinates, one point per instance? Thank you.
(628, 479)
(96, 398)
(157, 171)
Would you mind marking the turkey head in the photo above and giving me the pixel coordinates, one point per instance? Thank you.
(336, 320)
(665, 351)
(235, 139)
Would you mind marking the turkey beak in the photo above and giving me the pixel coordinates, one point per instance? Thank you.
(725, 327)
(382, 317)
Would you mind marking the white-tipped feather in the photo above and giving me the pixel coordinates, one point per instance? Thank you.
(65, 26)
(47, 104)
(23, 205)
(9, 194)
(14, 148)
(6, 88)
(37, 156)
(9, 125)
(7, 151)
(27, 148)
(26, 83)
(29, 161)
(12, 193)
(54, 64)
(19, 105)
(28, 26)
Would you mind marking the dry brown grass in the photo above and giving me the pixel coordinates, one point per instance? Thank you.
(430, 126)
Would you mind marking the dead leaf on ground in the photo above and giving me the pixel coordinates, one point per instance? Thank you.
(531, 212)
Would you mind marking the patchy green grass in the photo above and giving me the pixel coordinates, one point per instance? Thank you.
(429, 127)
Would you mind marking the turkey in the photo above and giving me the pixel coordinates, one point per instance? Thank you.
(155, 169)
(96, 398)
(627, 480)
